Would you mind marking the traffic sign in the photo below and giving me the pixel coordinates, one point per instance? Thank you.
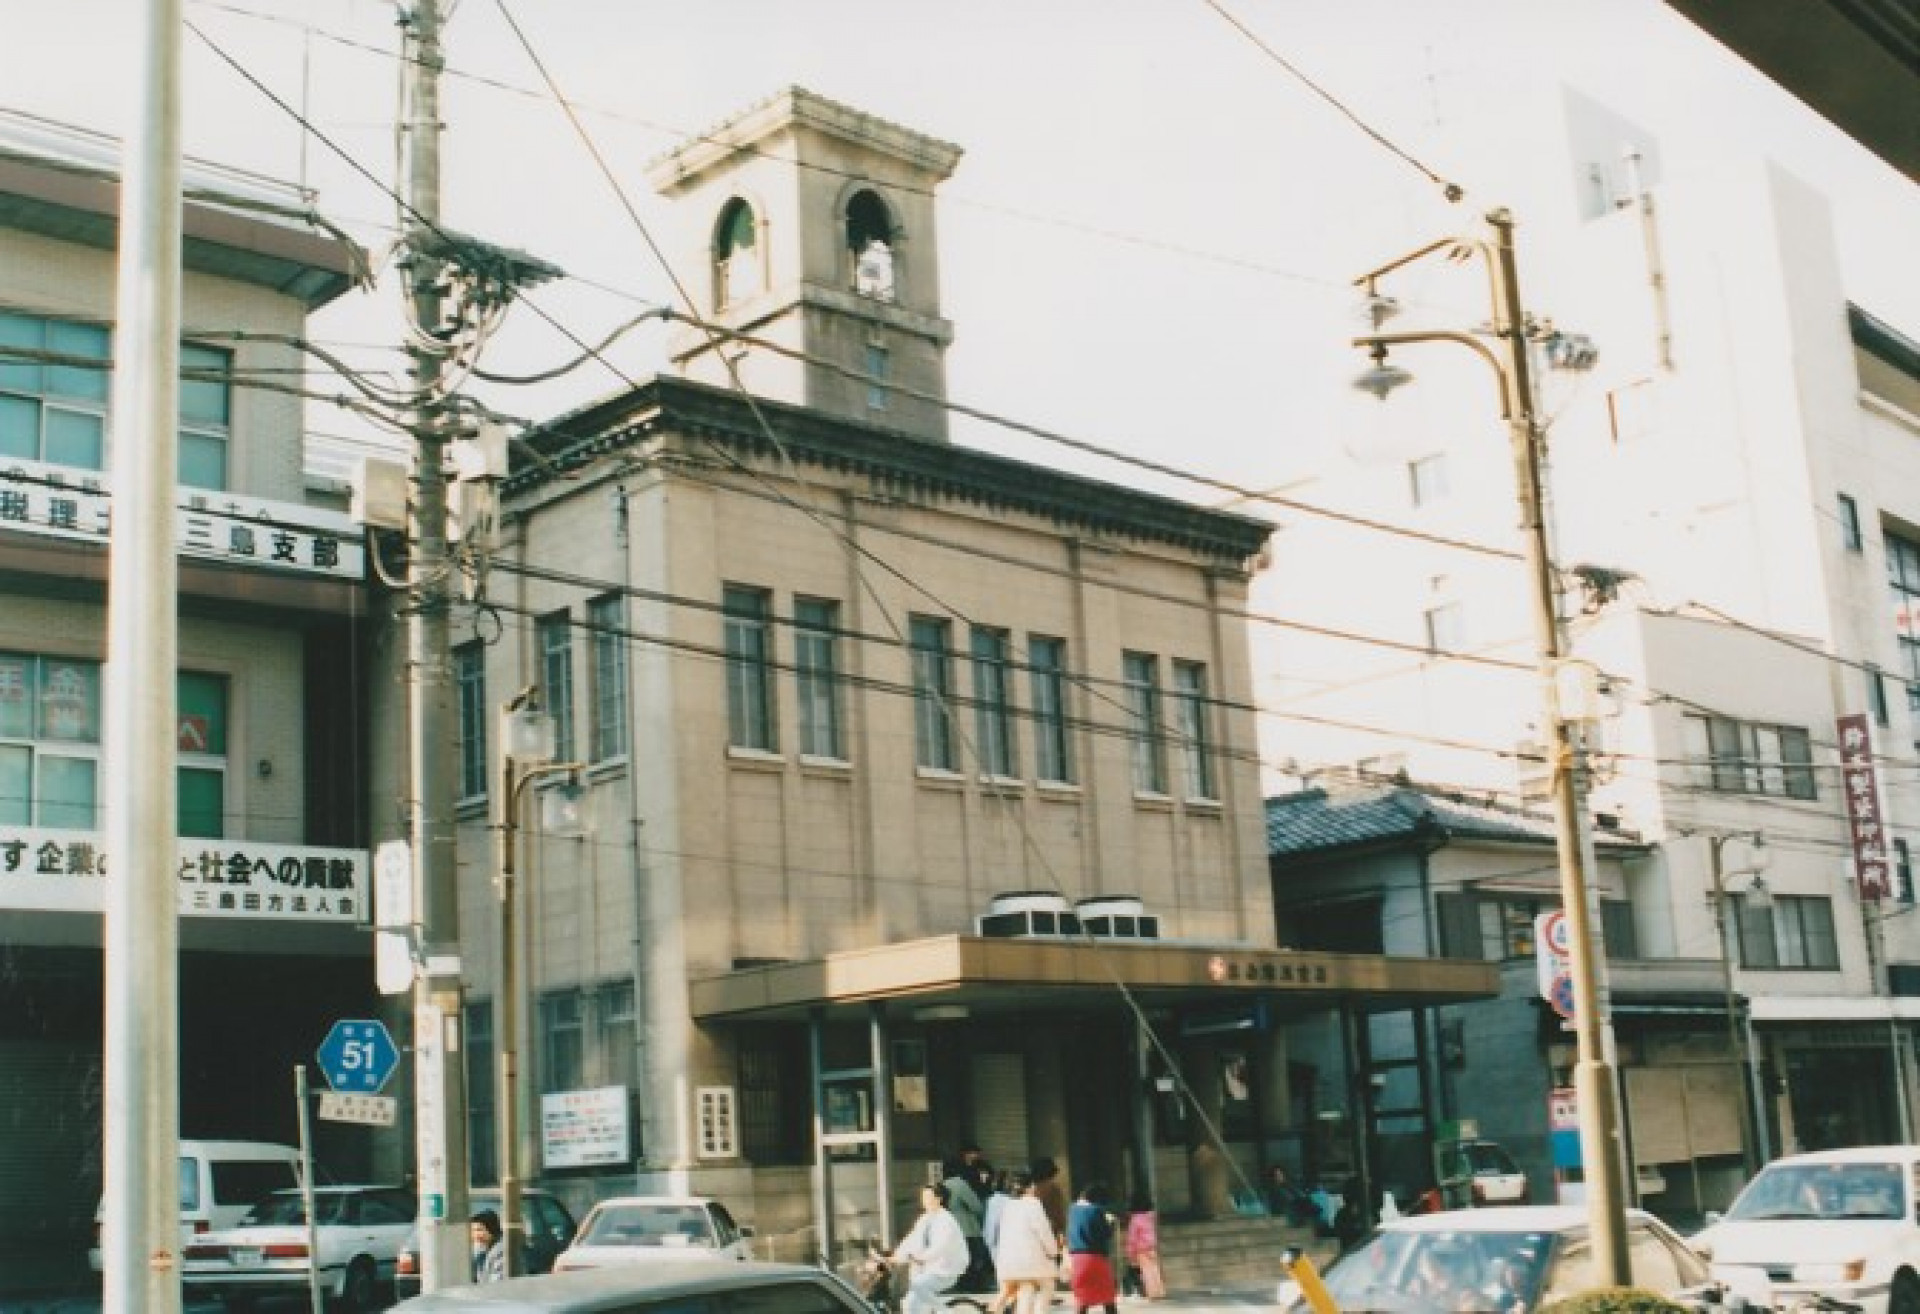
(1552, 948)
(1560, 995)
(358, 1057)
(373, 1110)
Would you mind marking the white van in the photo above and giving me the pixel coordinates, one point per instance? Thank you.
(219, 1181)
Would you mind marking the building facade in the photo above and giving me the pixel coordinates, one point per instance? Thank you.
(272, 780)
(921, 784)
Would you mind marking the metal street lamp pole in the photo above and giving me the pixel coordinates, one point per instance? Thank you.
(1736, 1040)
(1600, 1137)
(528, 741)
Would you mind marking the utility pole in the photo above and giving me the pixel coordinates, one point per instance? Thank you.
(440, 1108)
(141, 1222)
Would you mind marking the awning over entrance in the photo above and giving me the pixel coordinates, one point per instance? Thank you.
(988, 976)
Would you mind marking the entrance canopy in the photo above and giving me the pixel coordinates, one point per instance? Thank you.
(988, 976)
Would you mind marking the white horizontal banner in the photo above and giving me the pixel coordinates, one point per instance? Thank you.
(66, 871)
(61, 502)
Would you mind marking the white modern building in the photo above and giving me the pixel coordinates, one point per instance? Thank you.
(1738, 534)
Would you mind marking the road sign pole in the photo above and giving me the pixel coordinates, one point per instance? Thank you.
(306, 1188)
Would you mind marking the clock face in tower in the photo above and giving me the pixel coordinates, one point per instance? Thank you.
(873, 271)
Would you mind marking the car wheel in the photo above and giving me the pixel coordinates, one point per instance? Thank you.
(1906, 1294)
(360, 1289)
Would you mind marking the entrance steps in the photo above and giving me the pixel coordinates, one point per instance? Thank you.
(1232, 1251)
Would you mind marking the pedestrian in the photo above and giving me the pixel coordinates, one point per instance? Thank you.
(1143, 1250)
(970, 1211)
(1285, 1200)
(1090, 1246)
(933, 1254)
(1026, 1251)
(489, 1246)
(1051, 1194)
(998, 1195)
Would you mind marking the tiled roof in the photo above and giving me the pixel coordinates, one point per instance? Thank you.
(1317, 820)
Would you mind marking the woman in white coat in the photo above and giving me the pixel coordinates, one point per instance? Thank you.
(1027, 1256)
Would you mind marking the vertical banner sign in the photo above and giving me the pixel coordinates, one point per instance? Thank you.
(1861, 789)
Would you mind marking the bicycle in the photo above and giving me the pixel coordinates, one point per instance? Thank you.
(881, 1285)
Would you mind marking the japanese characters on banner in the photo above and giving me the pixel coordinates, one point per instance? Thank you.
(44, 870)
(61, 502)
(1860, 787)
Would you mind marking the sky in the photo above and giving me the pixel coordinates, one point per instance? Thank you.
(1171, 193)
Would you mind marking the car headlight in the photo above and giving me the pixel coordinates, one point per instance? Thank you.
(1851, 1270)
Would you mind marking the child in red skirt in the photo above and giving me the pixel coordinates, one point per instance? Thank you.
(1090, 1246)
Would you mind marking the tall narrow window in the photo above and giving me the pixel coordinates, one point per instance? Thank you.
(563, 1025)
(556, 680)
(607, 615)
(1446, 625)
(1052, 750)
(201, 741)
(1850, 535)
(932, 642)
(1903, 581)
(1190, 718)
(879, 373)
(470, 696)
(993, 701)
(1427, 478)
(1140, 673)
(870, 245)
(614, 1035)
(739, 274)
(205, 424)
(482, 1132)
(1877, 694)
(749, 643)
(816, 665)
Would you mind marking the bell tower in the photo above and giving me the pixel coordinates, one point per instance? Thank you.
(808, 228)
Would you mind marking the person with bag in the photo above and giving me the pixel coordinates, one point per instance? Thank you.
(1026, 1252)
(1143, 1250)
(970, 1211)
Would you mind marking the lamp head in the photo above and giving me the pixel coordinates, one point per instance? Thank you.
(1380, 378)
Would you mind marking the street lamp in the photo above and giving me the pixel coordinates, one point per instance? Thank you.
(1593, 1073)
(1753, 1125)
(527, 738)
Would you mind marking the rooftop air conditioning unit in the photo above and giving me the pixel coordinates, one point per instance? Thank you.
(1022, 913)
(1117, 917)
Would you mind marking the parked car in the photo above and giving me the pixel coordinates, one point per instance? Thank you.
(672, 1286)
(1834, 1222)
(358, 1232)
(550, 1229)
(1491, 1174)
(1500, 1261)
(643, 1229)
(219, 1182)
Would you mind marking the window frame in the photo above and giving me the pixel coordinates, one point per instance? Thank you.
(818, 697)
(607, 676)
(1146, 736)
(930, 648)
(1191, 705)
(990, 659)
(470, 703)
(752, 711)
(555, 638)
(1047, 687)
(739, 256)
(1786, 933)
(1427, 479)
(1730, 756)
(563, 1039)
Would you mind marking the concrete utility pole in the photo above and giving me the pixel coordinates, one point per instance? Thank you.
(141, 1220)
(1602, 1148)
(440, 1109)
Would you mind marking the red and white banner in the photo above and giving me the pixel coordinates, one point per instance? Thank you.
(1859, 786)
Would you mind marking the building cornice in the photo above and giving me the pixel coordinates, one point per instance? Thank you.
(893, 463)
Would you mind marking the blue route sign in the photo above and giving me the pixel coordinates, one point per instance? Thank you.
(358, 1057)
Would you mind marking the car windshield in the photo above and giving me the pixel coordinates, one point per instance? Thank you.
(648, 1225)
(1822, 1192)
(286, 1210)
(1407, 1272)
